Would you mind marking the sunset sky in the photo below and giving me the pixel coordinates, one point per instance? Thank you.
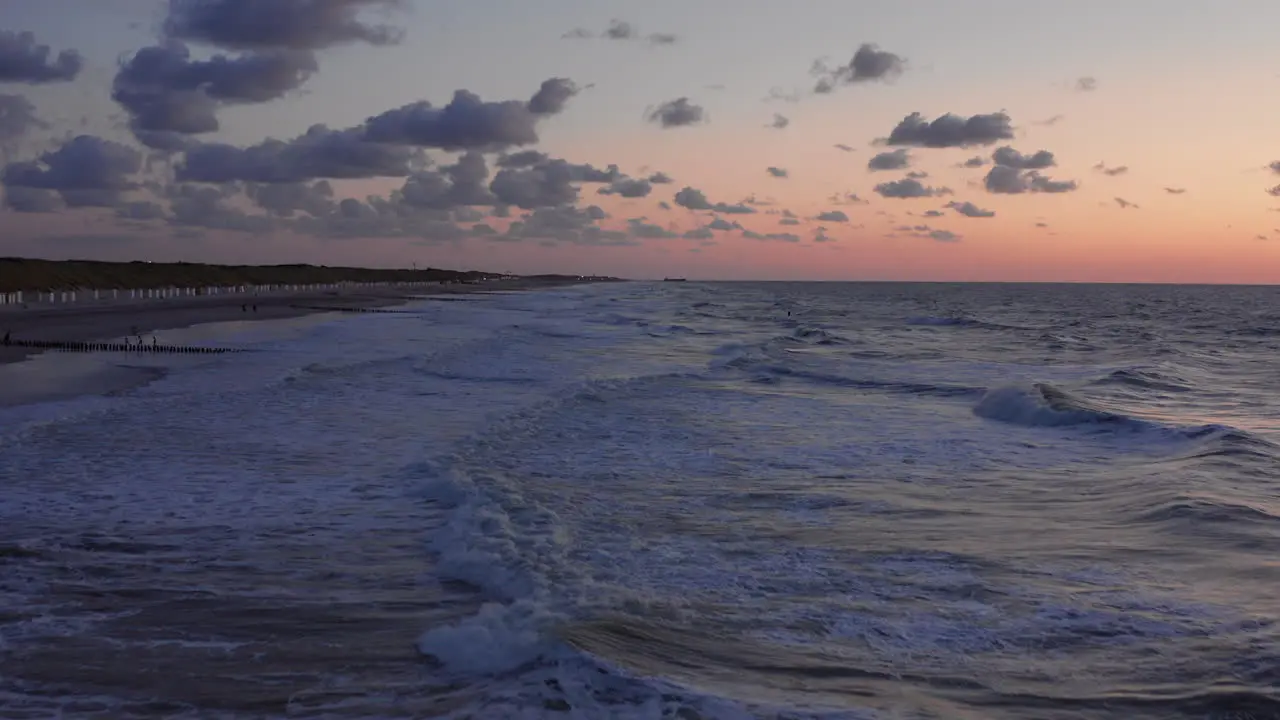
(743, 135)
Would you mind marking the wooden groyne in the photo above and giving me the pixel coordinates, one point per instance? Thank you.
(118, 347)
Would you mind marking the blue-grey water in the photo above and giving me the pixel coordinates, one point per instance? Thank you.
(667, 500)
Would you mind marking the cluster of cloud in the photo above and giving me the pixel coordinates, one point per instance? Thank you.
(868, 64)
(23, 61)
(676, 113)
(622, 30)
(1013, 173)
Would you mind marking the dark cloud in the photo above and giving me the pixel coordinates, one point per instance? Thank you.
(205, 206)
(1112, 171)
(847, 199)
(867, 65)
(140, 210)
(968, 209)
(291, 24)
(780, 237)
(1008, 157)
(31, 200)
(909, 188)
(820, 235)
(780, 121)
(640, 228)
(701, 233)
(789, 221)
(23, 60)
(467, 122)
(950, 131)
(777, 172)
(1125, 204)
(86, 171)
(1086, 84)
(660, 178)
(524, 158)
(695, 200)
(17, 118)
(891, 160)
(1175, 190)
(459, 185)
(622, 30)
(319, 153)
(1049, 121)
(924, 231)
(932, 213)
(567, 224)
(167, 93)
(552, 96)
(628, 188)
(723, 225)
(1006, 180)
(549, 184)
(832, 216)
(843, 147)
(917, 174)
(1042, 224)
(1274, 191)
(1274, 167)
(676, 113)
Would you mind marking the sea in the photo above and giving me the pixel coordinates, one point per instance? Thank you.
(662, 500)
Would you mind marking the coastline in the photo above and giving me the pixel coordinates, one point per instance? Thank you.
(151, 317)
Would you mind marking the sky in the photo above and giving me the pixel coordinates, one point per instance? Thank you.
(990, 140)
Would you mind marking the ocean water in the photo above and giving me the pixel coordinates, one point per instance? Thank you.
(668, 500)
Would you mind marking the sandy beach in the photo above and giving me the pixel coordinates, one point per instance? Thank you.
(81, 323)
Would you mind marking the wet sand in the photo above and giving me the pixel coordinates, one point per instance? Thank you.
(87, 321)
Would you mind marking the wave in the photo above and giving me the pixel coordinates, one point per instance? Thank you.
(1147, 379)
(1199, 509)
(1044, 405)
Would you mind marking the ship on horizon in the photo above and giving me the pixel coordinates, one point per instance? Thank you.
(675, 280)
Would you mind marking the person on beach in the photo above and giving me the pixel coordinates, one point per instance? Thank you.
(6, 337)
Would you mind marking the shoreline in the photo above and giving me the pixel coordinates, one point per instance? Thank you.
(92, 323)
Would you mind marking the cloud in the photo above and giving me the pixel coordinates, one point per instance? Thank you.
(780, 121)
(23, 60)
(932, 213)
(676, 113)
(843, 147)
(781, 237)
(1086, 84)
(847, 199)
(17, 118)
(468, 122)
(568, 224)
(318, 153)
(832, 216)
(929, 233)
(628, 188)
(1008, 157)
(140, 210)
(820, 235)
(968, 209)
(1125, 204)
(1049, 121)
(167, 94)
(622, 30)
(461, 184)
(976, 161)
(890, 160)
(776, 172)
(86, 171)
(286, 200)
(660, 178)
(909, 188)
(291, 24)
(951, 131)
(869, 64)
(31, 200)
(204, 206)
(1274, 167)
(694, 199)
(1112, 171)
(1175, 190)
(640, 228)
(1005, 180)
(546, 185)
(1274, 191)
(789, 221)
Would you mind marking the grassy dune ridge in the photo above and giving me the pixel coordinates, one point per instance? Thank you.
(25, 274)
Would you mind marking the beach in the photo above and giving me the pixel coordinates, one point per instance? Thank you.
(87, 322)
